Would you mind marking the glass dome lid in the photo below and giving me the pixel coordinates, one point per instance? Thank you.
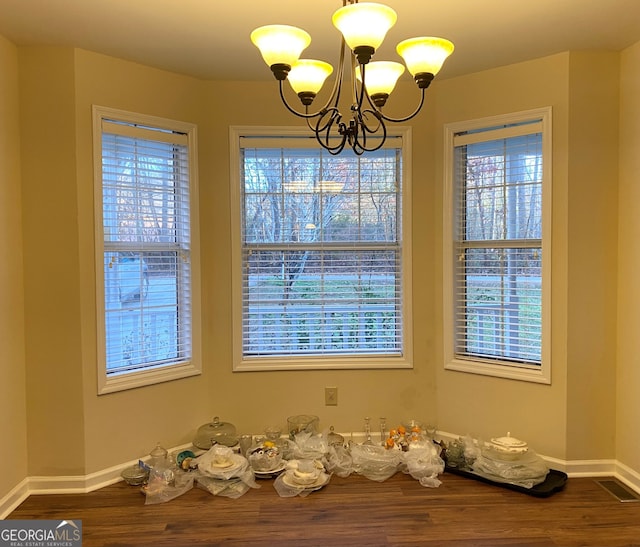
(215, 432)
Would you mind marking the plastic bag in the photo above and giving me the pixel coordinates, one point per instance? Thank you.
(230, 488)
(339, 461)
(462, 452)
(164, 486)
(224, 473)
(264, 458)
(424, 464)
(312, 476)
(525, 471)
(375, 462)
(308, 446)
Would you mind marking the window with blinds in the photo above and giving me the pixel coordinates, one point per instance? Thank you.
(146, 247)
(498, 176)
(321, 251)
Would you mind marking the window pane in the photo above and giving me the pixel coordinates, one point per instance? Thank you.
(141, 303)
(500, 304)
(498, 295)
(139, 194)
(146, 252)
(313, 301)
(502, 188)
(322, 253)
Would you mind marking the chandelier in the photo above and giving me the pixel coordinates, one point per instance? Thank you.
(363, 27)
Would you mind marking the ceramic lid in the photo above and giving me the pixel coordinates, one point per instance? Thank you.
(508, 442)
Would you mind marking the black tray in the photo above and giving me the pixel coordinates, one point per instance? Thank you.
(554, 482)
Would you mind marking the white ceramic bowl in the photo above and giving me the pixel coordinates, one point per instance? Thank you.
(304, 478)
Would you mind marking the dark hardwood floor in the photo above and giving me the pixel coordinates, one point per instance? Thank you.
(353, 511)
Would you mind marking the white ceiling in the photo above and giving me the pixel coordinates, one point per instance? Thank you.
(209, 39)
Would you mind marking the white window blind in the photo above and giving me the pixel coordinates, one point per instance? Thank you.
(321, 251)
(498, 184)
(147, 262)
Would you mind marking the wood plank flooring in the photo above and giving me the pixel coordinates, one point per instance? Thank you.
(351, 512)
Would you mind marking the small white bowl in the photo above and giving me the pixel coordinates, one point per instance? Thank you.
(304, 478)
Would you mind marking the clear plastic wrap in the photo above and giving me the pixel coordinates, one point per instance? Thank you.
(424, 464)
(164, 486)
(265, 457)
(462, 452)
(526, 471)
(339, 461)
(375, 462)
(308, 446)
(230, 488)
(224, 473)
(301, 477)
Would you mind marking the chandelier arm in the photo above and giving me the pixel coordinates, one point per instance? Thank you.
(361, 142)
(290, 108)
(362, 118)
(331, 117)
(359, 97)
(323, 133)
(333, 99)
(334, 151)
(337, 84)
(308, 120)
(406, 118)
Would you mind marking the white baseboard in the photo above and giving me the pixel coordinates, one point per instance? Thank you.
(94, 481)
(591, 468)
(76, 484)
(628, 476)
(72, 484)
(14, 498)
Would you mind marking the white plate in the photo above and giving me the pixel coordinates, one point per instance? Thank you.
(224, 465)
(276, 469)
(217, 472)
(319, 483)
(268, 474)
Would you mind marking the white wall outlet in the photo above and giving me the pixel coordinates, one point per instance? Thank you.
(331, 396)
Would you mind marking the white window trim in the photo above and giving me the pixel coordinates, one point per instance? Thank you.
(538, 374)
(242, 364)
(119, 382)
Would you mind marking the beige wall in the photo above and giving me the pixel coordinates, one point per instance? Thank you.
(72, 430)
(51, 275)
(484, 406)
(13, 425)
(592, 254)
(254, 399)
(126, 425)
(574, 417)
(628, 362)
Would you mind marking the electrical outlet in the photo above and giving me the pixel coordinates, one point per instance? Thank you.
(331, 396)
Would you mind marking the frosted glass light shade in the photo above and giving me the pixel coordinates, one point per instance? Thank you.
(424, 54)
(380, 76)
(280, 44)
(308, 75)
(364, 24)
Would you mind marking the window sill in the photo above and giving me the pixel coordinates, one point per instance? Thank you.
(131, 380)
(507, 370)
(334, 363)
